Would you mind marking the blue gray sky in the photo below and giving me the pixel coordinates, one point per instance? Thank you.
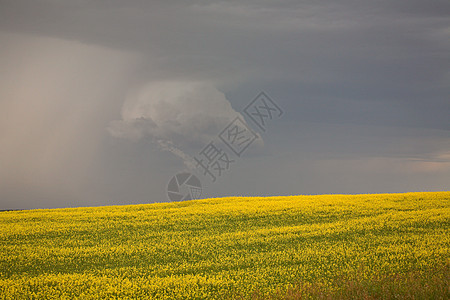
(102, 102)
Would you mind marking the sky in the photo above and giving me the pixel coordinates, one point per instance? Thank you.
(103, 102)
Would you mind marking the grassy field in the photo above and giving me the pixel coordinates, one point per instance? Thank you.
(379, 246)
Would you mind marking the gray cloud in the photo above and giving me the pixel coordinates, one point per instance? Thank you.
(364, 86)
(53, 115)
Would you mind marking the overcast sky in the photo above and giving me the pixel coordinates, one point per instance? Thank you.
(102, 102)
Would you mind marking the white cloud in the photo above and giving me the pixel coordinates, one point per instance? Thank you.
(175, 114)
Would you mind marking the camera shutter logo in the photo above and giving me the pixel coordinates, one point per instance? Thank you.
(184, 186)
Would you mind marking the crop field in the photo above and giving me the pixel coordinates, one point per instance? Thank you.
(379, 246)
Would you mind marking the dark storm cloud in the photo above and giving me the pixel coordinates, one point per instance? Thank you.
(384, 51)
(359, 80)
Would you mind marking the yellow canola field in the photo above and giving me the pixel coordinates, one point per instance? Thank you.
(236, 247)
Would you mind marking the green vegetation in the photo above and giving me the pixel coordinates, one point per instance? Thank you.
(380, 246)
